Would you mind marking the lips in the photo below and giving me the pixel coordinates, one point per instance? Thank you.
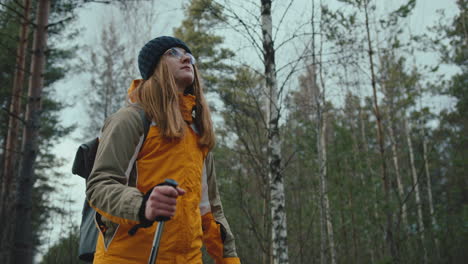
(186, 67)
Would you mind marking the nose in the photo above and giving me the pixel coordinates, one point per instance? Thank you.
(185, 58)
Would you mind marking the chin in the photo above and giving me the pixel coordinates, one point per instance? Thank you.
(187, 80)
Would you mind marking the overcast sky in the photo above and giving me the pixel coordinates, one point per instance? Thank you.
(169, 15)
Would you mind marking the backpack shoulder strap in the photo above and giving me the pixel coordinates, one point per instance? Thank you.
(144, 118)
(146, 122)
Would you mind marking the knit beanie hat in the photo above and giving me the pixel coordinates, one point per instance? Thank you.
(151, 53)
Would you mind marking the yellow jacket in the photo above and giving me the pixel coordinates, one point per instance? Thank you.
(116, 191)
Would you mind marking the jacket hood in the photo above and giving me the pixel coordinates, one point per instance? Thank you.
(135, 83)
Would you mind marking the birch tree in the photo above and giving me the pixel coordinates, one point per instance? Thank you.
(429, 190)
(395, 82)
(277, 196)
(317, 84)
(416, 184)
(393, 116)
(261, 36)
(327, 234)
(400, 89)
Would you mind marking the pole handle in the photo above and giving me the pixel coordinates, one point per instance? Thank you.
(159, 229)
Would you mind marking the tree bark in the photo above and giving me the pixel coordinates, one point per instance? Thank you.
(278, 212)
(11, 149)
(23, 244)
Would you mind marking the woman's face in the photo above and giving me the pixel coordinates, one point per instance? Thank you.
(180, 63)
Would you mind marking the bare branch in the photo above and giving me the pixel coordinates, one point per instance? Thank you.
(249, 31)
(281, 20)
(293, 70)
(289, 159)
(293, 37)
(257, 18)
(257, 163)
(258, 105)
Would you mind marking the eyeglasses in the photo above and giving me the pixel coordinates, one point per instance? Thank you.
(178, 53)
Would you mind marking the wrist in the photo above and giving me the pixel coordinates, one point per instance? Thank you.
(142, 210)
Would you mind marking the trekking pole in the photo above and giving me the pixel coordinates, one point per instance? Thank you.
(159, 230)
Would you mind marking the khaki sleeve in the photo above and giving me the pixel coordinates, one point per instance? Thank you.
(106, 189)
(217, 218)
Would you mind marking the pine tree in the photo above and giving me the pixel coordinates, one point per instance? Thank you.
(65, 250)
(50, 130)
(202, 17)
(453, 133)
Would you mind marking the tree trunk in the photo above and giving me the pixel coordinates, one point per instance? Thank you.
(278, 212)
(372, 246)
(416, 189)
(401, 193)
(11, 148)
(266, 256)
(322, 156)
(429, 193)
(23, 245)
(390, 241)
(323, 188)
(353, 224)
(327, 226)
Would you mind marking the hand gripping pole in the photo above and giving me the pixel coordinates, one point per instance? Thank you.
(159, 230)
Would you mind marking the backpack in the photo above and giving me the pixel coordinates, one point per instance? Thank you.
(82, 166)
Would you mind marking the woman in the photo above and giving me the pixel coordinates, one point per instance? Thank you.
(127, 196)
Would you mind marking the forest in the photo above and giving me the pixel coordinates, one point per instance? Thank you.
(340, 128)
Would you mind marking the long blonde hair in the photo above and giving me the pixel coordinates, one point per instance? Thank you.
(158, 96)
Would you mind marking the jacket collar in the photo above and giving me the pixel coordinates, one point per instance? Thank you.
(186, 101)
(187, 104)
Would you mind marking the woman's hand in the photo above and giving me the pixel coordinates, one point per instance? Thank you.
(162, 202)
